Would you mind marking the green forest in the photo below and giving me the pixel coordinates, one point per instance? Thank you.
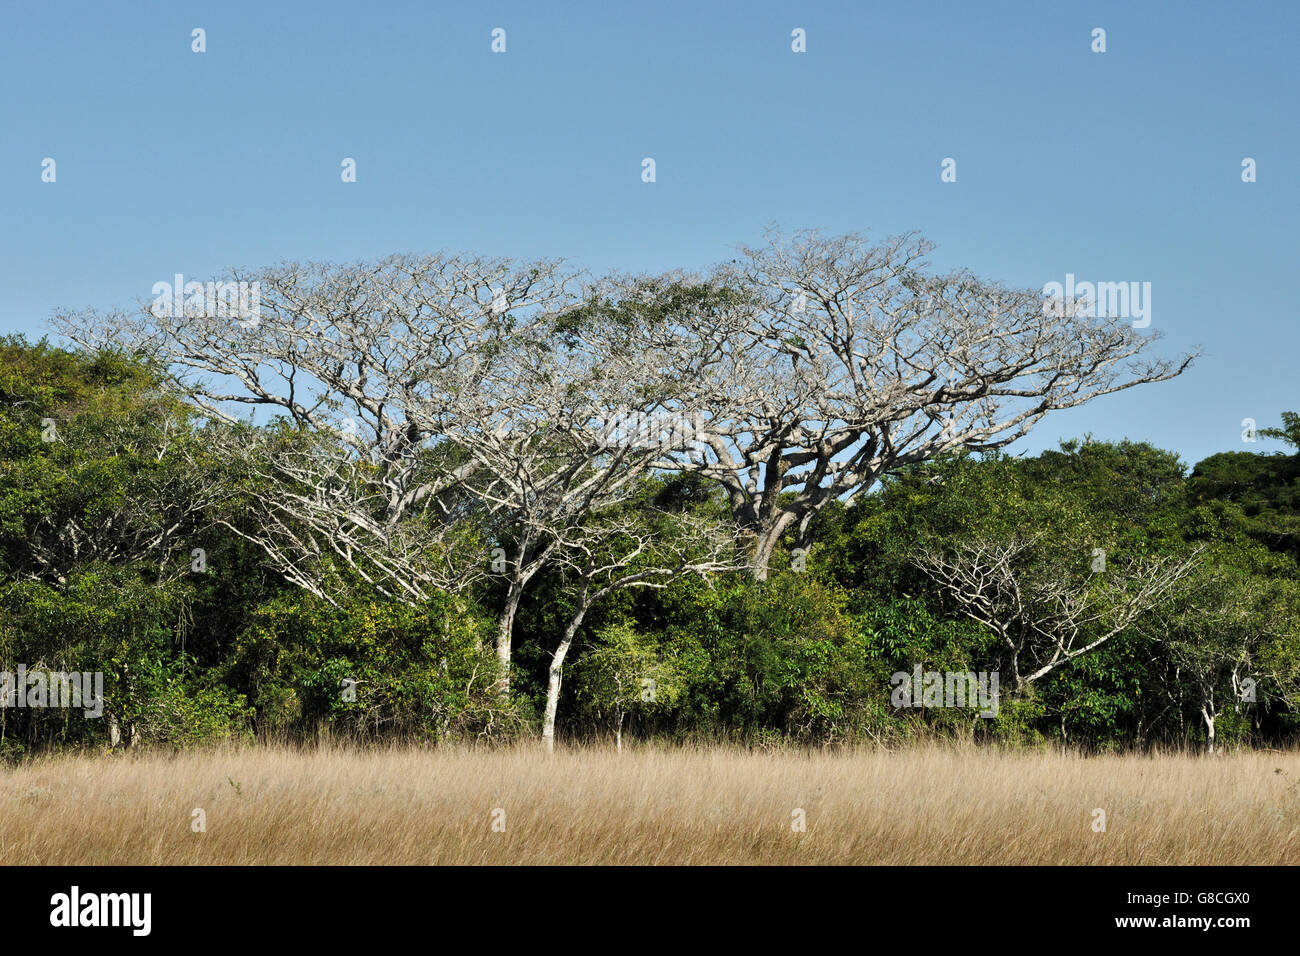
(100, 531)
(445, 499)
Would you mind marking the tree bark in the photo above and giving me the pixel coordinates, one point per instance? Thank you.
(768, 538)
(555, 677)
(505, 628)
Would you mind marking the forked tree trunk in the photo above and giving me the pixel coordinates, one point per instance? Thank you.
(1207, 712)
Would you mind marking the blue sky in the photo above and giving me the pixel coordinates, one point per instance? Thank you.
(1115, 166)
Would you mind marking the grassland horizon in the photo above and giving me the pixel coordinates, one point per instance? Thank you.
(652, 804)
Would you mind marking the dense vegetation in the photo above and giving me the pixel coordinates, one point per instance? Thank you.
(120, 553)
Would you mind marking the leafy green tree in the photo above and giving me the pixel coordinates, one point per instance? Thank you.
(94, 466)
(103, 544)
(1232, 633)
(1265, 487)
(623, 674)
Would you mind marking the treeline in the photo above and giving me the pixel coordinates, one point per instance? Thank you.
(449, 497)
(122, 550)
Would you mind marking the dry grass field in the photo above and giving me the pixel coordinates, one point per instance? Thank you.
(651, 806)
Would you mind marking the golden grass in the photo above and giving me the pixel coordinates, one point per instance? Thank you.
(651, 806)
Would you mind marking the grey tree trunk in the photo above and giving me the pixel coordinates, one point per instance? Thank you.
(767, 541)
(505, 628)
(555, 677)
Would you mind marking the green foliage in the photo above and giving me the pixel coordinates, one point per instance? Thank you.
(109, 620)
(98, 517)
(417, 673)
(780, 657)
(93, 464)
(624, 674)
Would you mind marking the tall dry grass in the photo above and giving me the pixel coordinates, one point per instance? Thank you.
(651, 806)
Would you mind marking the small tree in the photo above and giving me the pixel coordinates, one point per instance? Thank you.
(634, 547)
(1224, 628)
(1047, 601)
(624, 673)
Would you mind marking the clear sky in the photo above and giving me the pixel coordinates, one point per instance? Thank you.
(1116, 166)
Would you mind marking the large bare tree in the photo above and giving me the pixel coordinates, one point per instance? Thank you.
(417, 389)
(363, 365)
(413, 392)
(823, 362)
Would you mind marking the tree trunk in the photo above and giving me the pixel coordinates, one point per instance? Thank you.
(618, 733)
(505, 628)
(555, 676)
(768, 538)
(1207, 712)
